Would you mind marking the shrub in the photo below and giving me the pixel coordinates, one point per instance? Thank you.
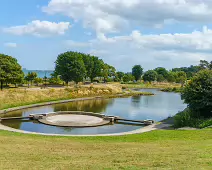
(198, 93)
(186, 119)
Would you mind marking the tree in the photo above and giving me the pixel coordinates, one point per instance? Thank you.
(171, 77)
(160, 78)
(198, 93)
(120, 75)
(107, 71)
(137, 72)
(181, 77)
(70, 67)
(162, 71)
(10, 70)
(93, 66)
(204, 64)
(150, 75)
(38, 80)
(30, 77)
(128, 77)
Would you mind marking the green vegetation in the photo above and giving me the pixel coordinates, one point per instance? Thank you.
(137, 72)
(162, 149)
(70, 67)
(30, 77)
(10, 70)
(150, 85)
(185, 119)
(172, 89)
(128, 77)
(198, 95)
(150, 76)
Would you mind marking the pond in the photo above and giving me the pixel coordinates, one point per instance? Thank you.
(157, 107)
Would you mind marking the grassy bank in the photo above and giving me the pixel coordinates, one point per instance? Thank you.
(19, 97)
(154, 150)
(151, 85)
(172, 89)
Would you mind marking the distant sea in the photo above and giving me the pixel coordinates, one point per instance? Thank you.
(41, 73)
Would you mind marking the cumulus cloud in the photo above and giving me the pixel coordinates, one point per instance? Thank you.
(167, 50)
(12, 45)
(39, 28)
(115, 15)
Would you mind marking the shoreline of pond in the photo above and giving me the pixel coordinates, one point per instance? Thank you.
(129, 94)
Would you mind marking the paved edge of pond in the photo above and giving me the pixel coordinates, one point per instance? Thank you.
(137, 131)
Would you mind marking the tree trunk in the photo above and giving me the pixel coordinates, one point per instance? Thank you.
(28, 84)
(1, 85)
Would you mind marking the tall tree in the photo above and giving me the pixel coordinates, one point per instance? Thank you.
(70, 67)
(181, 77)
(162, 71)
(10, 70)
(172, 76)
(120, 75)
(150, 76)
(137, 72)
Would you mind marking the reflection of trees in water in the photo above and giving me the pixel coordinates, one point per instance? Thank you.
(136, 101)
(13, 123)
(12, 114)
(85, 105)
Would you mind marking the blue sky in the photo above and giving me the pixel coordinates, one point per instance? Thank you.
(167, 33)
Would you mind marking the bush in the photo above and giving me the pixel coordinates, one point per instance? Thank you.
(186, 119)
(198, 94)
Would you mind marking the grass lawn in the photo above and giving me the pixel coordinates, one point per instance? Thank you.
(161, 149)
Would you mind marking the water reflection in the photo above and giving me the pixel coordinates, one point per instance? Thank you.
(96, 106)
(156, 107)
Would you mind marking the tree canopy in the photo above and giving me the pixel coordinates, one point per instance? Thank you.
(198, 93)
(10, 70)
(137, 72)
(150, 75)
(70, 67)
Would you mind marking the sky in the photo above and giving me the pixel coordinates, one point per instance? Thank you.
(152, 33)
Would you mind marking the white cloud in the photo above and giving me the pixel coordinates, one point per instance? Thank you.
(115, 15)
(167, 50)
(39, 28)
(12, 45)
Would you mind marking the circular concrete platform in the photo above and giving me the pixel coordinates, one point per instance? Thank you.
(73, 120)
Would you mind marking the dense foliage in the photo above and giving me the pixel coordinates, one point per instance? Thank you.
(10, 70)
(137, 72)
(70, 67)
(198, 93)
(150, 76)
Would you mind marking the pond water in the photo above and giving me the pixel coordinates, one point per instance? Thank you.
(157, 107)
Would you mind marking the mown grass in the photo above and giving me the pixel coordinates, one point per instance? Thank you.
(162, 149)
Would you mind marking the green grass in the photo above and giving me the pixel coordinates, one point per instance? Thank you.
(151, 86)
(162, 149)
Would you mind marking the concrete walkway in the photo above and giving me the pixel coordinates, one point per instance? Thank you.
(141, 130)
